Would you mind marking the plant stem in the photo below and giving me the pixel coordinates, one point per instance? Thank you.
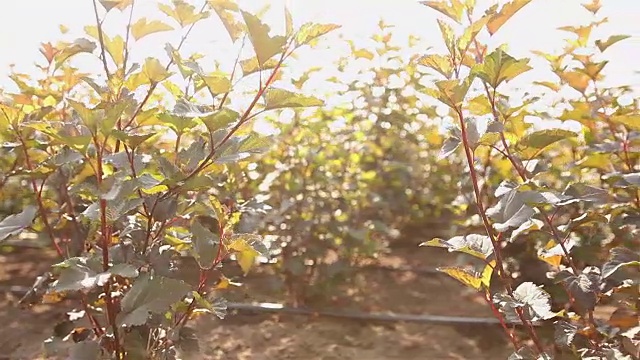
(495, 243)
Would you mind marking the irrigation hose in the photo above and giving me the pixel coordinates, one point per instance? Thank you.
(352, 315)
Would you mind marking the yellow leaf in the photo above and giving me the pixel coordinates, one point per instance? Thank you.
(467, 277)
(439, 63)
(142, 28)
(154, 71)
(576, 80)
(118, 4)
(245, 254)
(182, 12)
(453, 11)
(265, 45)
(593, 6)
(603, 45)
(225, 10)
(310, 31)
(631, 121)
(507, 11)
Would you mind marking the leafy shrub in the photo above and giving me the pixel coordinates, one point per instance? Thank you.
(347, 180)
(120, 183)
(550, 199)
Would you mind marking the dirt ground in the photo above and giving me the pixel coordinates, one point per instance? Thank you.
(261, 336)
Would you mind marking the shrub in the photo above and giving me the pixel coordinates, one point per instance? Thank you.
(121, 183)
(548, 199)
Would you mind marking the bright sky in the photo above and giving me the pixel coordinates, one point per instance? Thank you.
(25, 24)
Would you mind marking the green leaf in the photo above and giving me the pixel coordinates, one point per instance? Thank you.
(471, 32)
(205, 245)
(250, 66)
(452, 92)
(473, 244)
(630, 121)
(217, 83)
(220, 119)
(182, 12)
(533, 143)
(14, 224)
(154, 71)
(142, 28)
(499, 67)
(603, 45)
(278, 99)
(264, 45)
(454, 11)
(505, 13)
(150, 295)
(310, 31)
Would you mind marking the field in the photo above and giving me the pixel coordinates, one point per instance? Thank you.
(260, 335)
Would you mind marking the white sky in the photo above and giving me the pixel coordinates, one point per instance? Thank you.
(24, 24)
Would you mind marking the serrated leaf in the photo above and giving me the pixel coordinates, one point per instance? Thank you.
(79, 46)
(564, 333)
(250, 66)
(118, 4)
(154, 71)
(584, 288)
(454, 10)
(82, 274)
(243, 247)
(182, 12)
(150, 295)
(449, 146)
(14, 224)
(505, 13)
(310, 31)
(465, 276)
(631, 121)
(535, 302)
(264, 45)
(220, 119)
(619, 257)
(603, 45)
(142, 28)
(225, 10)
(217, 83)
(452, 92)
(533, 143)
(526, 227)
(441, 64)
(499, 67)
(205, 245)
(576, 79)
(473, 244)
(279, 99)
(471, 32)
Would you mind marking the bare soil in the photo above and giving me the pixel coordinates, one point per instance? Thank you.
(262, 336)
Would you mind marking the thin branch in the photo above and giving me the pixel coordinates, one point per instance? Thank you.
(101, 39)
